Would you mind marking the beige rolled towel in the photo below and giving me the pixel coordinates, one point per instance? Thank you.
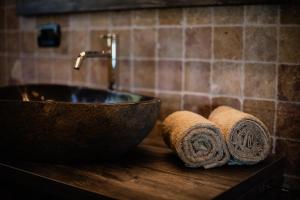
(247, 138)
(197, 141)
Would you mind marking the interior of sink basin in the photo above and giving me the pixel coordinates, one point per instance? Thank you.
(71, 94)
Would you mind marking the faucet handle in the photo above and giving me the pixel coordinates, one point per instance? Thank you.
(110, 37)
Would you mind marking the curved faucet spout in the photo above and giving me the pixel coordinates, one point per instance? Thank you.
(79, 60)
(111, 53)
(89, 54)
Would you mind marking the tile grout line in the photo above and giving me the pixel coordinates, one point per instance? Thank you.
(6, 80)
(276, 79)
(177, 59)
(69, 82)
(89, 64)
(183, 58)
(132, 56)
(287, 139)
(212, 56)
(156, 54)
(214, 95)
(20, 50)
(243, 60)
(141, 27)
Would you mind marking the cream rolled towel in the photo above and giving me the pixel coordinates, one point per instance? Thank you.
(197, 141)
(247, 138)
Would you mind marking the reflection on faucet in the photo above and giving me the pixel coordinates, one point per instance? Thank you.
(111, 53)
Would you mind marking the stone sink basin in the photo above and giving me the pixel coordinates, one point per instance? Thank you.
(56, 123)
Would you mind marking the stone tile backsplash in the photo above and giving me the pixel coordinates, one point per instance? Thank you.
(247, 57)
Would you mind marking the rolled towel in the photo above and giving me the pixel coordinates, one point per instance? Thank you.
(247, 138)
(197, 141)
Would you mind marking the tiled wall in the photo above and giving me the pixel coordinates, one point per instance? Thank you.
(193, 58)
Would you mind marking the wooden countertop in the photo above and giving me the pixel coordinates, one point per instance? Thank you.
(151, 171)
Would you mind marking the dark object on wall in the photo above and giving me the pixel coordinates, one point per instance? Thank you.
(56, 123)
(49, 35)
(37, 7)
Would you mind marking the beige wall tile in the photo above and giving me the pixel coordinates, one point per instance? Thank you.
(96, 42)
(125, 78)
(121, 18)
(260, 80)
(28, 23)
(228, 15)
(261, 14)
(12, 42)
(10, 2)
(12, 21)
(2, 42)
(288, 120)
(170, 42)
(14, 70)
(80, 76)
(170, 16)
(44, 19)
(169, 75)
(169, 104)
(2, 18)
(261, 44)
(62, 19)
(226, 101)
(228, 43)
(226, 78)
(198, 43)
(99, 72)
(43, 51)
(150, 93)
(101, 19)
(144, 74)
(124, 42)
(289, 50)
(144, 43)
(195, 16)
(3, 74)
(197, 104)
(144, 17)
(64, 47)
(29, 70)
(80, 21)
(289, 82)
(62, 70)
(197, 77)
(290, 14)
(44, 67)
(263, 110)
(79, 42)
(28, 42)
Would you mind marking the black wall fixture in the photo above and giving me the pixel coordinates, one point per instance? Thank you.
(49, 35)
(39, 7)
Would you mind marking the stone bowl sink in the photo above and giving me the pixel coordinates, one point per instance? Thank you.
(56, 123)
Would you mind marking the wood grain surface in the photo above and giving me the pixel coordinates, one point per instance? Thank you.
(151, 171)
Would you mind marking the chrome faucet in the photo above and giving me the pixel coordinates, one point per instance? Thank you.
(111, 42)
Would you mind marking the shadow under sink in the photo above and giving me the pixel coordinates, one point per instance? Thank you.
(56, 123)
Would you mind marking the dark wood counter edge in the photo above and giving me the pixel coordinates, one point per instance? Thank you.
(42, 184)
(274, 168)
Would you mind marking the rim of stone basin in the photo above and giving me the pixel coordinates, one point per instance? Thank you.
(140, 99)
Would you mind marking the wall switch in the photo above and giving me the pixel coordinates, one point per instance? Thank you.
(49, 35)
